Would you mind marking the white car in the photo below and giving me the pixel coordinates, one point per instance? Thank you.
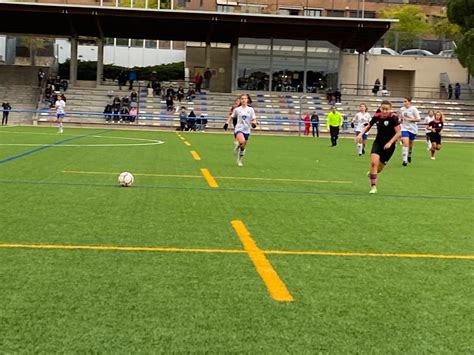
(448, 53)
(418, 52)
(382, 50)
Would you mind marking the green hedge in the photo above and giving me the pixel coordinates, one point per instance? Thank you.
(88, 70)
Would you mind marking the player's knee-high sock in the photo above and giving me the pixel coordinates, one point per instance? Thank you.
(410, 151)
(373, 179)
(433, 151)
(405, 154)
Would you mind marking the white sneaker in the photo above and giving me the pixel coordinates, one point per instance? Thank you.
(433, 158)
(373, 190)
(239, 163)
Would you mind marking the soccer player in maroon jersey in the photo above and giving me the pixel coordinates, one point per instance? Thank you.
(436, 126)
(388, 132)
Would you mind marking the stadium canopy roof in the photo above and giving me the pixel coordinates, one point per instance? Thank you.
(60, 20)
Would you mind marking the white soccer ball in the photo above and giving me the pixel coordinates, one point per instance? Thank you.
(125, 179)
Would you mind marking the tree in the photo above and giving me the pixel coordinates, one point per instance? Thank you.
(461, 12)
(411, 19)
(446, 28)
(412, 22)
(33, 44)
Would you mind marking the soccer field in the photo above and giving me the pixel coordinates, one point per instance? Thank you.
(288, 253)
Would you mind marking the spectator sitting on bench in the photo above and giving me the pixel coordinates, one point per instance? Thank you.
(169, 103)
(108, 113)
(191, 121)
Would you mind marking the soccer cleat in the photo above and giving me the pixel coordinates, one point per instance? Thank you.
(409, 159)
(363, 150)
(239, 163)
(433, 158)
(373, 190)
(404, 163)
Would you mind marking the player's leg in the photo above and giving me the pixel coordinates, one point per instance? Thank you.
(374, 168)
(411, 142)
(405, 146)
(359, 145)
(60, 123)
(240, 137)
(428, 141)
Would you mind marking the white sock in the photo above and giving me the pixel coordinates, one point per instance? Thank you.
(405, 154)
(359, 148)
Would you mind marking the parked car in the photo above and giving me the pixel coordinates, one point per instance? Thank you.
(418, 52)
(448, 53)
(382, 50)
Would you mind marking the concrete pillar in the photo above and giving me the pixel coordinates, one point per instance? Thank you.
(305, 74)
(73, 62)
(208, 55)
(233, 49)
(100, 61)
(339, 76)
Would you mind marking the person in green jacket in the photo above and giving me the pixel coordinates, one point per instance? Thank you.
(334, 123)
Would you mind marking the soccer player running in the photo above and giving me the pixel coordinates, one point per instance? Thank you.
(60, 105)
(246, 120)
(436, 126)
(430, 117)
(388, 132)
(361, 120)
(409, 117)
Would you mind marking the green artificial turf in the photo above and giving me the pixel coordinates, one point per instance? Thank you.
(110, 301)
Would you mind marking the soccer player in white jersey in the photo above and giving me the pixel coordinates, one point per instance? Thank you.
(246, 120)
(409, 117)
(359, 122)
(60, 105)
(430, 117)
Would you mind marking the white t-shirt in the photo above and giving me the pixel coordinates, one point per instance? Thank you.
(244, 118)
(60, 105)
(410, 112)
(361, 119)
(428, 119)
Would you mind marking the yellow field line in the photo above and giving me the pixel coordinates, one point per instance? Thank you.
(195, 155)
(275, 286)
(233, 251)
(210, 180)
(136, 174)
(284, 180)
(118, 248)
(389, 255)
(182, 138)
(187, 143)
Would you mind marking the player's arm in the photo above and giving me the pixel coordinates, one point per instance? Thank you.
(395, 137)
(358, 139)
(229, 119)
(253, 121)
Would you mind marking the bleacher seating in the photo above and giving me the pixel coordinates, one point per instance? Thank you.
(276, 112)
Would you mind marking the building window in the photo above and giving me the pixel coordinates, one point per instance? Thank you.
(225, 8)
(150, 44)
(137, 43)
(180, 45)
(164, 44)
(122, 42)
(312, 12)
(336, 13)
(252, 8)
(289, 12)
